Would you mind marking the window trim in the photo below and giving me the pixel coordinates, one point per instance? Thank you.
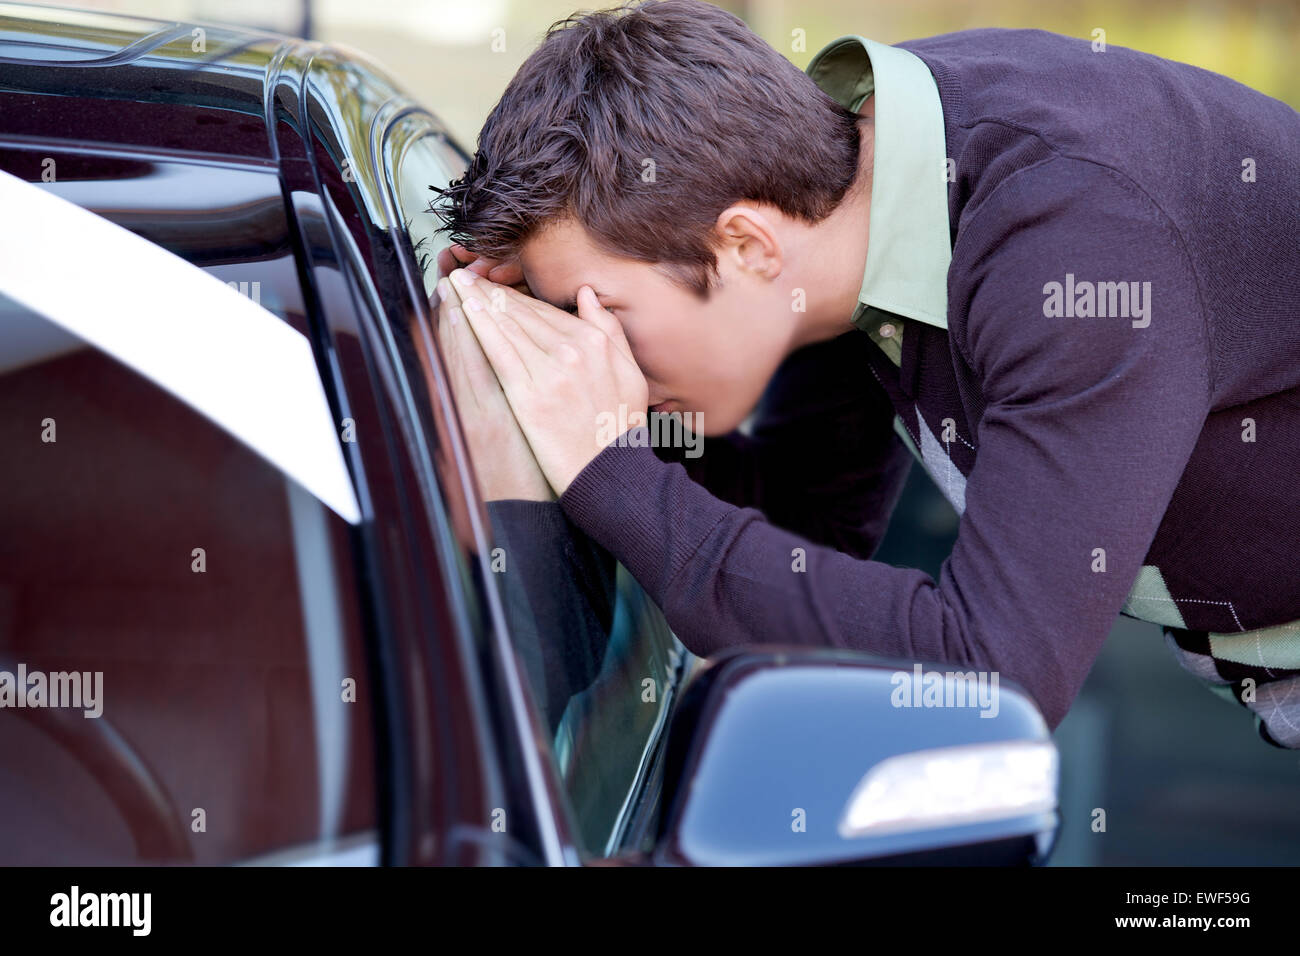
(223, 355)
(640, 806)
(545, 793)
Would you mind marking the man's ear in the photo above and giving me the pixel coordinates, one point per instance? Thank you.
(749, 240)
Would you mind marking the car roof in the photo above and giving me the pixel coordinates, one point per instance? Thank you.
(93, 77)
(187, 86)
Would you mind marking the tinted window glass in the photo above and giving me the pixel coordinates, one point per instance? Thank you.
(206, 603)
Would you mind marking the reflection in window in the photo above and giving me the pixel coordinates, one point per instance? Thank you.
(216, 599)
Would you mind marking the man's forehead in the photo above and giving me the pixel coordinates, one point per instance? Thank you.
(556, 264)
(547, 286)
(561, 259)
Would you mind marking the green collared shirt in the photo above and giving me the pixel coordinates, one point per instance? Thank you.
(909, 250)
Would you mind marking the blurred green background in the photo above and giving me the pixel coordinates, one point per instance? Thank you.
(1180, 773)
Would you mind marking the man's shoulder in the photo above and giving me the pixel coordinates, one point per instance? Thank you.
(1084, 95)
(991, 41)
(983, 56)
(1071, 261)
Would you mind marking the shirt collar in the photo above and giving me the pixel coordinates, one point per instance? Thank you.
(909, 249)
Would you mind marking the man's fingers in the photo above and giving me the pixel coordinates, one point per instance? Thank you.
(560, 323)
(501, 345)
(590, 310)
(461, 349)
(508, 272)
(513, 314)
(452, 347)
(455, 256)
(446, 261)
(473, 363)
(505, 272)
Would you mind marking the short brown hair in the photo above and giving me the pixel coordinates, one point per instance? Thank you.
(642, 123)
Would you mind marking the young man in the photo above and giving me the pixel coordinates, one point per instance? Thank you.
(1066, 278)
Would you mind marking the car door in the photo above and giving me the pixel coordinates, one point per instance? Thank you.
(607, 716)
(198, 584)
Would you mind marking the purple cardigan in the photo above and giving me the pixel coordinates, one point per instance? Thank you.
(1079, 436)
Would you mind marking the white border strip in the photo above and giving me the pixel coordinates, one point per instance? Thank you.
(185, 330)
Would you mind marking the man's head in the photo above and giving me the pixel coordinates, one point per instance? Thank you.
(665, 155)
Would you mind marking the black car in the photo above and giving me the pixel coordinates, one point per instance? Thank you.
(250, 603)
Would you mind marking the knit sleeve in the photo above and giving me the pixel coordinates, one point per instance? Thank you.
(1088, 426)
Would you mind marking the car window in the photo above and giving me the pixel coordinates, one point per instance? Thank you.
(178, 618)
(602, 663)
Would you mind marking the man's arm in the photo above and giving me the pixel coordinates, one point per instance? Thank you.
(1088, 426)
(823, 460)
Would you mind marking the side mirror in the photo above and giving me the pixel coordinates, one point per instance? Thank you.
(793, 756)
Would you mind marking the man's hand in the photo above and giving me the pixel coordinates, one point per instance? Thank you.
(506, 272)
(561, 373)
(503, 462)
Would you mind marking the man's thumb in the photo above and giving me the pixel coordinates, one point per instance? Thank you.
(590, 310)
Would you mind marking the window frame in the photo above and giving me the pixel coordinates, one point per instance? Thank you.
(633, 829)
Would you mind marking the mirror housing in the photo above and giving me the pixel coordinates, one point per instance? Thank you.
(798, 756)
